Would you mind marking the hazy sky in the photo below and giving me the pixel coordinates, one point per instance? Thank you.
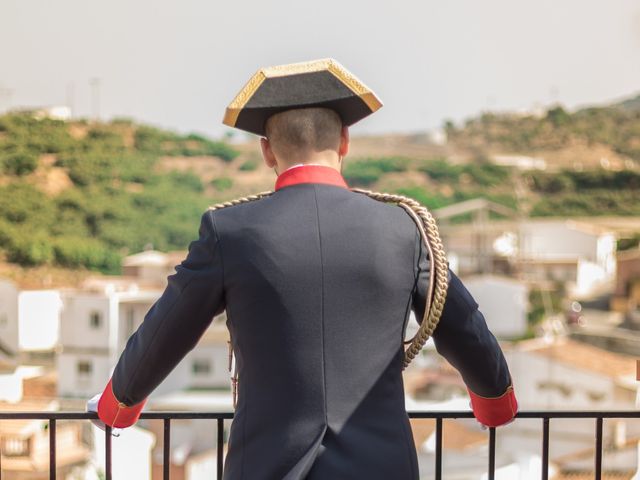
(178, 63)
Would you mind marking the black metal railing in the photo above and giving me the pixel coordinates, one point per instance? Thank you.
(220, 417)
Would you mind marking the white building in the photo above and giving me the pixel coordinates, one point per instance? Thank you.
(521, 162)
(130, 453)
(55, 112)
(94, 326)
(25, 444)
(193, 452)
(206, 366)
(12, 382)
(582, 255)
(579, 254)
(151, 266)
(558, 374)
(96, 323)
(503, 302)
(39, 319)
(8, 322)
(562, 373)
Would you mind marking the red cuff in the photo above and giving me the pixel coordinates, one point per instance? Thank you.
(494, 411)
(115, 413)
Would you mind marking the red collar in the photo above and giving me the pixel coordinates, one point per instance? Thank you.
(310, 174)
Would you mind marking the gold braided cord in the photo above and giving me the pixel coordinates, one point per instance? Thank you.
(438, 271)
(238, 201)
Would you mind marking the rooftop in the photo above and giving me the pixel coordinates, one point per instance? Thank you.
(583, 356)
(456, 435)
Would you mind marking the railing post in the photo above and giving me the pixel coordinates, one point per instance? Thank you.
(220, 447)
(166, 450)
(545, 448)
(438, 448)
(598, 459)
(492, 453)
(107, 452)
(52, 449)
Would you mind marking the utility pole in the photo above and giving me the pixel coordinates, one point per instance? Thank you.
(71, 98)
(95, 97)
(5, 98)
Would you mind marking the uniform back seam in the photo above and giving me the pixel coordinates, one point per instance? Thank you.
(324, 366)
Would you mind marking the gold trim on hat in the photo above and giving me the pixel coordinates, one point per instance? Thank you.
(354, 84)
(241, 99)
(328, 64)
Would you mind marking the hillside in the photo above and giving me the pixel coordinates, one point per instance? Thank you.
(84, 194)
(81, 195)
(630, 104)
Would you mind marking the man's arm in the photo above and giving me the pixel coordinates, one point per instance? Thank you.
(462, 337)
(171, 328)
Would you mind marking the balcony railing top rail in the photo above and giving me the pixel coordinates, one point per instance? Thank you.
(438, 415)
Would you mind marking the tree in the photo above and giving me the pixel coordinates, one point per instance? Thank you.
(20, 163)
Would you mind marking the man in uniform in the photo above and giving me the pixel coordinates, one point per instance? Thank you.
(318, 283)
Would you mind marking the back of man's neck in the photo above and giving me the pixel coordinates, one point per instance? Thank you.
(287, 165)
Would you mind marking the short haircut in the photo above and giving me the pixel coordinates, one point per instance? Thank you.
(303, 130)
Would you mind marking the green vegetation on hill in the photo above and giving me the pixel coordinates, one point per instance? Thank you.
(115, 196)
(118, 202)
(615, 127)
(560, 192)
(595, 192)
(365, 172)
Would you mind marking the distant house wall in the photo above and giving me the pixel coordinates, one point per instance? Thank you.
(32, 462)
(606, 250)
(562, 251)
(205, 367)
(94, 330)
(39, 317)
(85, 321)
(149, 273)
(628, 271)
(213, 356)
(201, 466)
(131, 453)
(589, 276)
(503, 302)
(9, 317)
(82, 374)
(557, 240)
(544, 383)
(130, 317)
(11, 387)
(560, 271)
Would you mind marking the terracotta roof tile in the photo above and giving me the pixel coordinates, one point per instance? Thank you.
(455, 434)
(584, 356)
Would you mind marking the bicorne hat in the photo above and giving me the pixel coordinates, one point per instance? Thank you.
(318, 83)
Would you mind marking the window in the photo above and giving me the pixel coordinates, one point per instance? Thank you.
(201, 366)
(95, 319)
(84, 368)
(15, 447)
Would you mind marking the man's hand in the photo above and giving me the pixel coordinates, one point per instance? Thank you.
(92, 406)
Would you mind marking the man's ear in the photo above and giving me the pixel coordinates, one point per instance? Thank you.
(343, 149)
(267, 153)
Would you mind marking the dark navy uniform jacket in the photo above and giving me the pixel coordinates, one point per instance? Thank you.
(318, 283)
